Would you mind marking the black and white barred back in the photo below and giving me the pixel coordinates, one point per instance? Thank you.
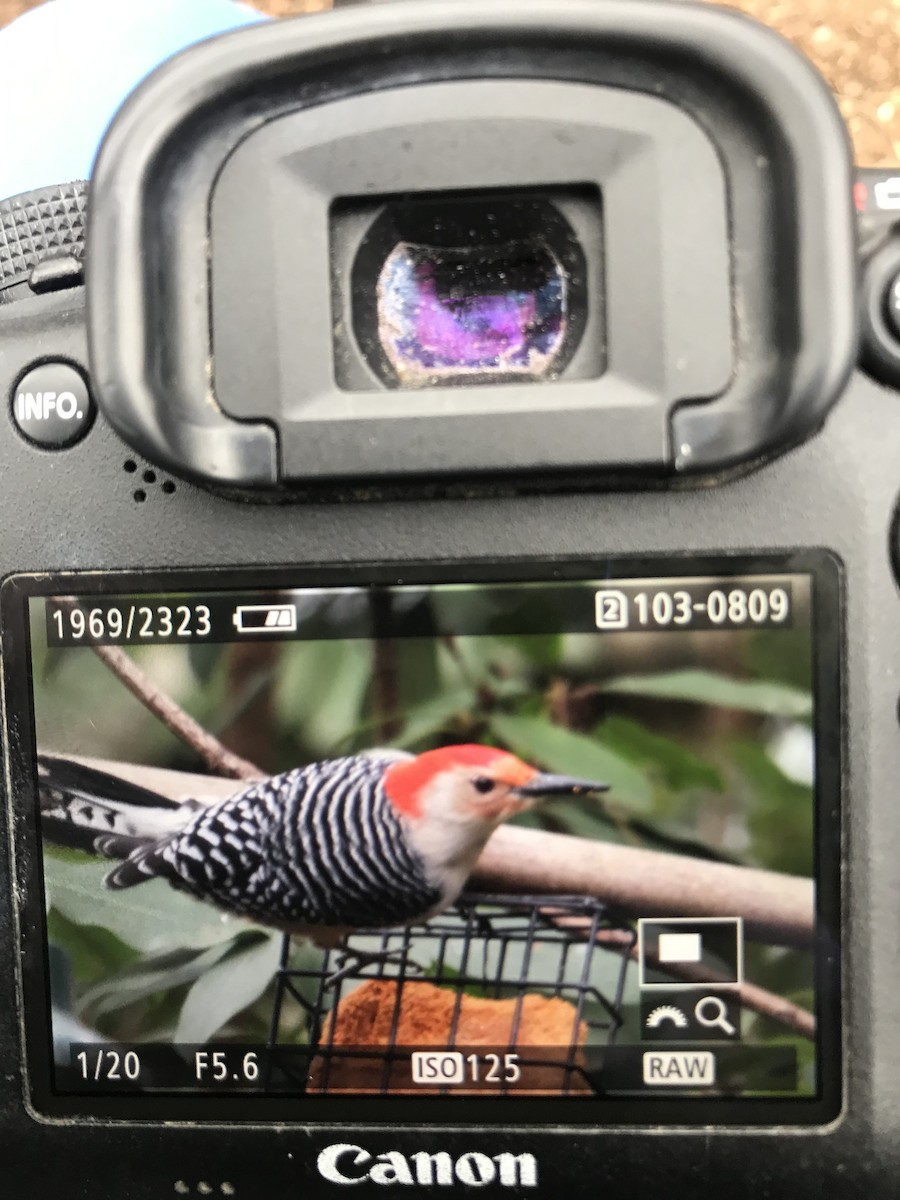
(320, 845)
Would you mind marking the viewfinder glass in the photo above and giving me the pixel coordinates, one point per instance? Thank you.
(445, 312)
(470, 288)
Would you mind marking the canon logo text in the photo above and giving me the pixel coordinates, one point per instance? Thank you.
(347, 1164)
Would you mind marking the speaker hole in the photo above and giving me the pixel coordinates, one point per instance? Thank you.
(149, 477)
(168, 487)
(130, 466)
(140, 496)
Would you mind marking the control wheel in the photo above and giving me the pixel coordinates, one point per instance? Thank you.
(881, 313)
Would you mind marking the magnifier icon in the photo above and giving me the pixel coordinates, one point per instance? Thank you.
(711, 1012)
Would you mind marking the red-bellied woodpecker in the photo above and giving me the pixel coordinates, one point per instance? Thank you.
(372, 840)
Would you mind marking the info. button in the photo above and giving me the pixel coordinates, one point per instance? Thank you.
(52, 405)
(679, 1068)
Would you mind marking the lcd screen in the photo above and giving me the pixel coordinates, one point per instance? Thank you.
(565, 841)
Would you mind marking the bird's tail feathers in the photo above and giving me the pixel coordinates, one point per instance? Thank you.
(85, 808)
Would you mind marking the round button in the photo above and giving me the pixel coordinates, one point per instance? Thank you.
(51, 405)
(892, 305)
(881, 314)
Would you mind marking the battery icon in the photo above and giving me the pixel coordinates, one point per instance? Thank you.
(265, 618)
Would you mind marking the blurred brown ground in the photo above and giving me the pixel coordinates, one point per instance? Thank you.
(855, 43)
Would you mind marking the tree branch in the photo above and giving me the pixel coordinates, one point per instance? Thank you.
(776, 909)
(216, 756)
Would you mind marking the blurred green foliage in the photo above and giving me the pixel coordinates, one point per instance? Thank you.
(688, 732)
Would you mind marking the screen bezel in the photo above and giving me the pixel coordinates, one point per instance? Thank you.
(675, 1111)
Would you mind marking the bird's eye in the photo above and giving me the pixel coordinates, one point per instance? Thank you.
(483, 785)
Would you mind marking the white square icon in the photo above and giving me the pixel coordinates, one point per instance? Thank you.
(690, 952)
(680, 948)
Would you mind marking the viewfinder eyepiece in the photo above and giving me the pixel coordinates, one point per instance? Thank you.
(463, 289)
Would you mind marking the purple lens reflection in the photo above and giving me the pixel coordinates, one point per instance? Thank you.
(463, 314)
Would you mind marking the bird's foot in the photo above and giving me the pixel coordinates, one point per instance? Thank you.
(352, 960)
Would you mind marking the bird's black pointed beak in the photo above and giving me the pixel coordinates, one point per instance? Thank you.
(559, 785)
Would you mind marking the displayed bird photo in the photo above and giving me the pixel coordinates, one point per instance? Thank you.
(557, 829)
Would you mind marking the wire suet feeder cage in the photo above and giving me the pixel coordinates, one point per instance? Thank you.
(540, 978)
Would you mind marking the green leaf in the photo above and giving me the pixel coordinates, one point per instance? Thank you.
(550, 746)
(417, 670)
(528, 820)
(780, 816)
(576, 818)
(153, 975)
(677, 767)
(541, 650)
(68, 854)
(204, 660)
(429, 718)
(152, 916)
(322, 689)
(771, 655)
(708, 687)
(227, 988)
(446, 976)
(786, 972)
(92, 950)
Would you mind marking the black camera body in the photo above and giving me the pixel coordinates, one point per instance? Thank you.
(647, 214)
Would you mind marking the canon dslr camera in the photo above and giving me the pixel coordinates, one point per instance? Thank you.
(449, 622)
